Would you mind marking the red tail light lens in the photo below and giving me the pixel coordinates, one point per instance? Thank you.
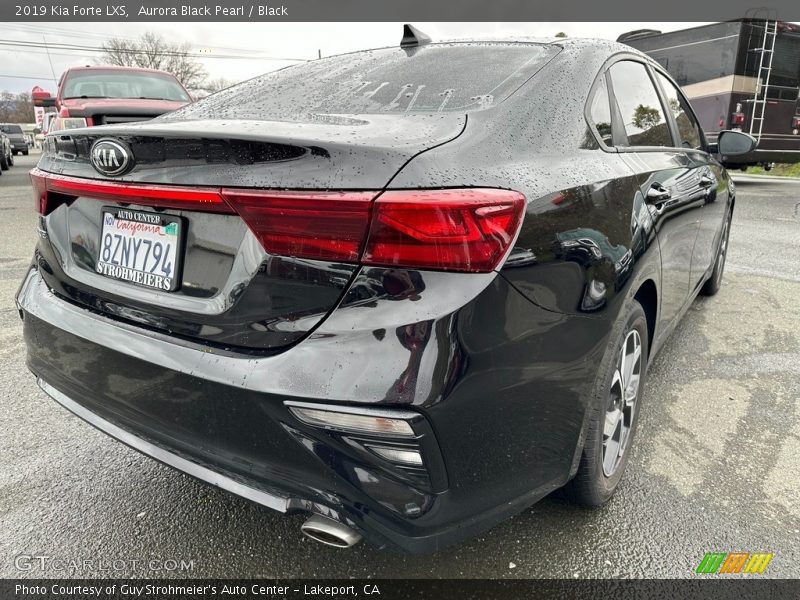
(453, 230)
(738, 118)
(322, 225)
(168, 196)
(39, 183)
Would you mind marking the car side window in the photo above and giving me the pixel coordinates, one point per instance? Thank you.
(639, 105)
(600, 111)
(688, 129)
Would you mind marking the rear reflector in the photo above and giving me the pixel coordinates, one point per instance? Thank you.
(398, 455)
(466, 230)
(357, 423)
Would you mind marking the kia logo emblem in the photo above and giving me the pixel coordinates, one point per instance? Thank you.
(111, 157)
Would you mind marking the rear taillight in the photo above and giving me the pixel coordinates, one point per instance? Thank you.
(452, 229)
(321, 225)
(795, 122)
(737, 118)
(39, 184)
(190, 198)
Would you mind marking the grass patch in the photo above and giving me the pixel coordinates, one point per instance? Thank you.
(779, 170)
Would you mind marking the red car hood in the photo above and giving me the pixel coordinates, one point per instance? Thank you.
(80, 107)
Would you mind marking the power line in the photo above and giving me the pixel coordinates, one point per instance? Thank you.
(5, 76)
(49, 58)
(61, 32)
(101, 50)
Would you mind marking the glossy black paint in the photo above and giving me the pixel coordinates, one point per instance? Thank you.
(499, 365)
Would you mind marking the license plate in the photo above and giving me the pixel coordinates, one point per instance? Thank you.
(141, 247)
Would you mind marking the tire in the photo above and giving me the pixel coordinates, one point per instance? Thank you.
(25, 152)
(605, 454)
(714, 282)
(4, 166)
(11, 159)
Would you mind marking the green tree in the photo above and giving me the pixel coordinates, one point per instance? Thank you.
(646, 117)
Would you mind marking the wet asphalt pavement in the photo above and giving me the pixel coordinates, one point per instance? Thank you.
(715, 467)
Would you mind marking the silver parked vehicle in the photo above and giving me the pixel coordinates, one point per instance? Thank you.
(6, 155)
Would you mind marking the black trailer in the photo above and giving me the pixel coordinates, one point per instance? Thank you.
(741, 75)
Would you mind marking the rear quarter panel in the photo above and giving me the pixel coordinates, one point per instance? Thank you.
(584, 249)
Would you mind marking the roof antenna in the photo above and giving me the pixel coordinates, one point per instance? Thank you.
(413, 37)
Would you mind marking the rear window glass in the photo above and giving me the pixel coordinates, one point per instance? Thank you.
(600, 112)
(434, 78)
(10, 128)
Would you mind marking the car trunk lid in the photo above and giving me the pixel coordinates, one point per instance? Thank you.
(231, 292)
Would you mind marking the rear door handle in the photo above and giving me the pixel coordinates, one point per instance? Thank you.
(658, 193)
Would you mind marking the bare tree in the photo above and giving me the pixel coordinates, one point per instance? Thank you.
(152, 51)
(6, 106)
(16, 108)
(215, 85)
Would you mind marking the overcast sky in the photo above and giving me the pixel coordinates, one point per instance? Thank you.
(238, 51)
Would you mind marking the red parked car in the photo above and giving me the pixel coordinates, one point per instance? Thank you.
(102, 95)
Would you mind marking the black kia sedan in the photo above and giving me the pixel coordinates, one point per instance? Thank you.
(407, 291)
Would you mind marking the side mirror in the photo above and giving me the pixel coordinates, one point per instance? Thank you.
(735, 143)
(42, 97)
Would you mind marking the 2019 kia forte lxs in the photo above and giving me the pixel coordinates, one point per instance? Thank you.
(408, 291)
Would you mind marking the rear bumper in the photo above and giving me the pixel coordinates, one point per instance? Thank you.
(240, 440)
(222, 419)
(269, 499)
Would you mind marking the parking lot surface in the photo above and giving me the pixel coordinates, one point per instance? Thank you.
(714, 468)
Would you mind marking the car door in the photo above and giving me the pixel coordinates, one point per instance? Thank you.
(712, 179)
(669, 177)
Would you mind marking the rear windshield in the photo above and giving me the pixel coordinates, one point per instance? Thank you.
(99, 83)
(434, 78)
(10, 128)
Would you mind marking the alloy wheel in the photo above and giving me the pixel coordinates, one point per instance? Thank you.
(723, 249)
(621, 407)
